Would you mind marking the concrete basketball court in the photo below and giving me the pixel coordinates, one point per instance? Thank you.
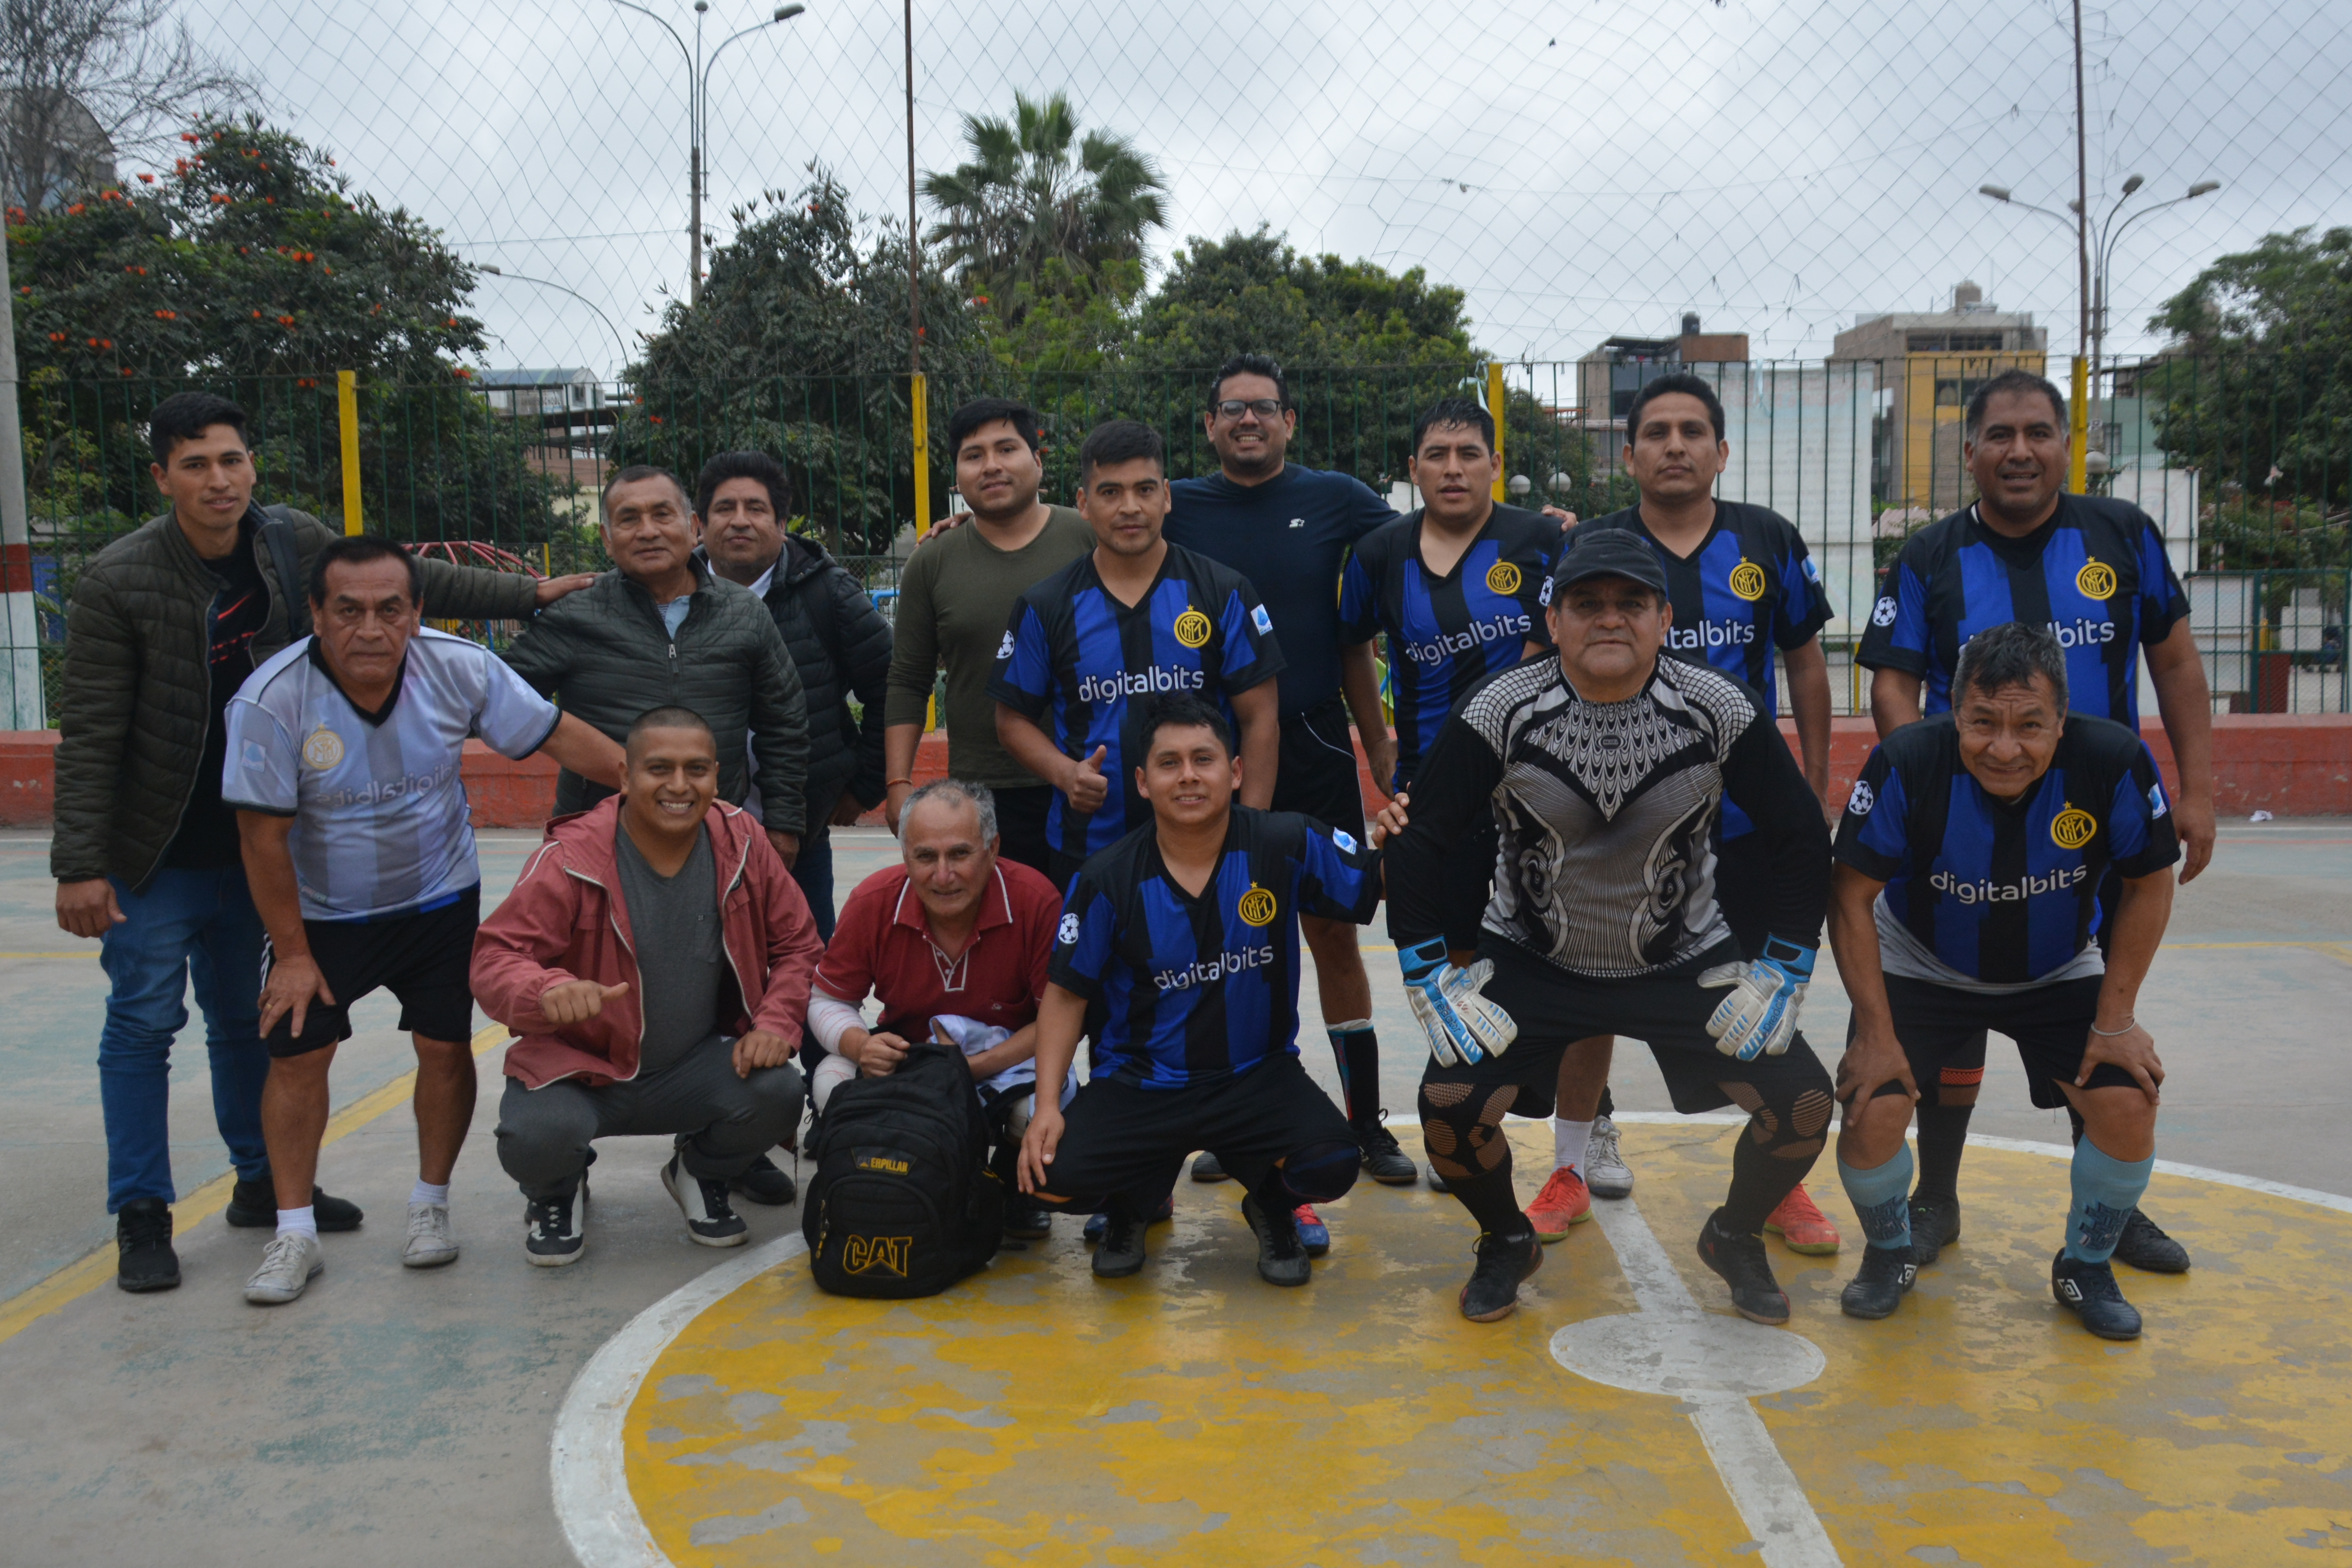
(663, 1403)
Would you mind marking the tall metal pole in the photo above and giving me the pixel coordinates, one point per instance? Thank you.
(16, 533)
(918, 401)
(2081, 420)
(694, 127)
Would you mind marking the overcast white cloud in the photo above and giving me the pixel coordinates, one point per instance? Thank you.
(1581, 170)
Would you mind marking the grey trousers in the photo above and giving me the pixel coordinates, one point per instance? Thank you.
(722, 1123)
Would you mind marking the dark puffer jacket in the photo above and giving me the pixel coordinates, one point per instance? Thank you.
(137, 697)
(605, 653)
(842, 644)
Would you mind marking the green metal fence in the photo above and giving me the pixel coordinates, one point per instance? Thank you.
(2245, 466)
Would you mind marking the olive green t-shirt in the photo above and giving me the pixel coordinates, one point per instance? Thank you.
(956, 596)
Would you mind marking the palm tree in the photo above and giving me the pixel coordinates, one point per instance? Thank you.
(1023, 203)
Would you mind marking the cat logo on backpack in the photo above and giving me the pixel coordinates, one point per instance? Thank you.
(875, 1254)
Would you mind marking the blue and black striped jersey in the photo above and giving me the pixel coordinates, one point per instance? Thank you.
(1184, 989)
(1447, 632)
(1074, 654)
(2005, 892)
(2095, 574)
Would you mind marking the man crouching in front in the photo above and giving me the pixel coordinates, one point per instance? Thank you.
(655, 958)
(1178, 954)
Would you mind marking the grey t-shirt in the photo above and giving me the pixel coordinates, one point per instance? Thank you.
(680, 960)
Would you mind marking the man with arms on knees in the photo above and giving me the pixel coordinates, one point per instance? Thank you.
(1604, 771)
(2094, 571)
(1743, 587)
(1970, 860)
(1459, 587)
(662, 628)
(957, 934)
(1289, 529)
(343, 769)
(1178, 956)
(655, 956)
(165, 625)
(956, 597)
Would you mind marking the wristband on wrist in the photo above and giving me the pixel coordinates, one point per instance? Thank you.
(888, 783)
(2129, 1023)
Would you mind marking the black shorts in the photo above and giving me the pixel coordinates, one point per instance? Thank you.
(1942, 1030)
(1668, 1011)
(1120, 1139)
(1021, 824)
(1317, 775)
(423, 958)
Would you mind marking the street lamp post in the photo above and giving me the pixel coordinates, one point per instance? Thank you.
(562, 289)
(698, 105)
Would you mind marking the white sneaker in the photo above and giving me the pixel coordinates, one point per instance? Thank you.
(1606, 1174)
(292, 1262)
(430, 1243)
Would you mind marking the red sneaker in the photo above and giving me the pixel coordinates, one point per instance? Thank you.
(1562, 1202)
(1802, 1225)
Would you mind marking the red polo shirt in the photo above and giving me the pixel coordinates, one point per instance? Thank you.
(883, 944)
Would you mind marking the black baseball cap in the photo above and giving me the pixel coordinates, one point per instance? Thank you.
(1608, 552)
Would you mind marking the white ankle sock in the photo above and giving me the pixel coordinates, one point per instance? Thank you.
(1567, 1141)
(425, 1192)
(301, 1220)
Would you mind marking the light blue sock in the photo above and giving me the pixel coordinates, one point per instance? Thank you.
(1882, 1198)
(2106, 1190)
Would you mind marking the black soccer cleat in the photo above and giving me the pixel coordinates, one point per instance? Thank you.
(253, 1205)
(1875, 1292)
(2089, 1291)
(1492, 1292)
(1383, 1160)
(1741, 1261)
(1206, 1167)
(1121, 1251)
(765, 1183)
(142, 1241)
(1934, 1226)
(1099, 1221)
(2146, 1247)
(1281, 1253)
(1026, 1219)
(1437, 1181)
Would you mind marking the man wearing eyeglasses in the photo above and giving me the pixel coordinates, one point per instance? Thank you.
(1289, 528)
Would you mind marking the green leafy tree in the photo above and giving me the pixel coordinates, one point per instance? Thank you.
(2257, 396)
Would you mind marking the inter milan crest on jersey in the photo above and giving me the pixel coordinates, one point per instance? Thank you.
(2072, 828)
(324, 749)
(2097, 579)
(1747, 581)
(1257, 907)
(1192, 629)
(1504, 577)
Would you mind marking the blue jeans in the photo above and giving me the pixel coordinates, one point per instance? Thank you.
(812, 869)
(199, 924)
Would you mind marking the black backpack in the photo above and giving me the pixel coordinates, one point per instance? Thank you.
(902, 1202)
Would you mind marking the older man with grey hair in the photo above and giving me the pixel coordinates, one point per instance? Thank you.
(953, 945)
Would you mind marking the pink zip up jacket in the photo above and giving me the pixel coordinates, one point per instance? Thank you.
(566, 919)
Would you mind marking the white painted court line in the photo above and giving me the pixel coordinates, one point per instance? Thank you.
(587, 1462)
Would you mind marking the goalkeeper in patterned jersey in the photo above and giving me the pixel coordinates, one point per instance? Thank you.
(1605, 771)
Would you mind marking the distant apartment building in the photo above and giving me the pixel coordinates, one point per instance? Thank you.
(1608, 377)
(1929, 363)
(523, 393)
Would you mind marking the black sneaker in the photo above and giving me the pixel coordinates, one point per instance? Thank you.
(2148, 1249)
(1491, 1293)
(710, 1220)
(1026, 1219)
(2089, 1291)
(142, 1240)
(1386, 1163)
(253, 1205)
(1099, 1220)
(1121, 1252)
(1875, 1292)
(1741, 1261)
(1281, 1255)
(765, 1183)
(1934, 1226)
(1205, 1168)
(554, 1230)
(1437, 1181)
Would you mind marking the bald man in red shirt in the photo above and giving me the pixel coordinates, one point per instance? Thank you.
(953, 933)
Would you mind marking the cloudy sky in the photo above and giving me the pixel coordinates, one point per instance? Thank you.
(1580, 169)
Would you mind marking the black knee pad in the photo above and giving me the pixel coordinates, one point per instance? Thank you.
(1462, 1127)
(1323, 1173)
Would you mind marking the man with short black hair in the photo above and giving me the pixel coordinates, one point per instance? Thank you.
(343, 756)
(662, 628)
(165, 625)
(1178, 956)
(2091, 569)
(654, 958)
(1290, 529)
(1967, 896)
(955, 597)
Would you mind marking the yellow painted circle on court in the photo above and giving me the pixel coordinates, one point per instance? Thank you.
(2097, 579)
(1503, 577)
(2072, 828)
(1192, 629)
(1034, 1414)
(1747, 581)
